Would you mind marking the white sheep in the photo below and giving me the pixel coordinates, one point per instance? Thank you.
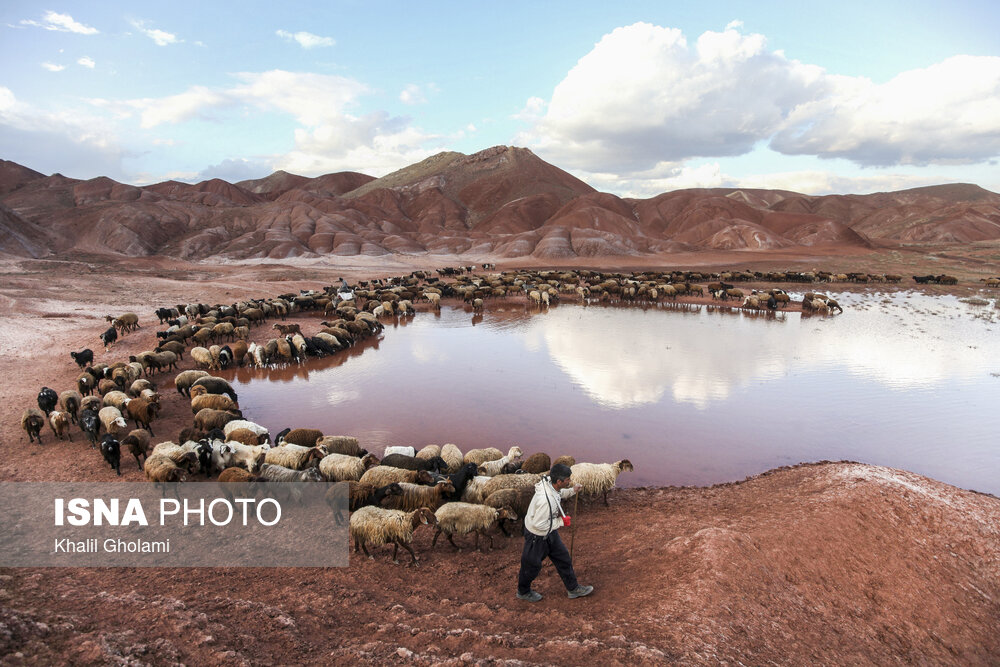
(113, 422)
(236, 454)
(598, 478)
(464, 518)
(377, 526)
(493, 468)
(452, 455)
(406, 451)
(473, 491)
(295, 457)
(249, 425)
(478, 456)
(429, 451)
(381, 475)
(344, 468)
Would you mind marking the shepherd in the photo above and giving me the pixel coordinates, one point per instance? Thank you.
(542, 522)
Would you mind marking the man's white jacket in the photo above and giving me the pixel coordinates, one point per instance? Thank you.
(545, 511)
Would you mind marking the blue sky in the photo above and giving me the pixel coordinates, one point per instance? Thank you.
(636, 100)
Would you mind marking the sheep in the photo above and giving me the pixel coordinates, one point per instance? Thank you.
(464, 518)
(116, 399)
(109, 337)
(287, 329)
(381, 475)
(216, 385)
(473, 491)
(143, 411)
(125, 322)
(208, 418)
(32, 421)
(83, 358)
(519, 481)
(377, 526)
(94, 403)
(304, 437)
(85, 384)
(453, 457)
(228, 454)
(244, 436)
(516, 499)
(113, 421)
(494, 468)
(236, 475)
(137, 442)
(436, 464)
(598, 478)
(185, 379)
(564, 460)
(47, 400)
(70, 401)
(343, 468)
(161, 469)
(174, 346)
(112, 452)
(362, 495)
(295, 457)
(429, 452)
(270, 472)
(139, 386)
(90, 423)
(537, 463)
(202, 357)
(179, 454)
(341, 444)
(478, 456)
(214, 401)
(104, 386)
(419, 495)
(262, 433)
(405, 451)
(59, 422)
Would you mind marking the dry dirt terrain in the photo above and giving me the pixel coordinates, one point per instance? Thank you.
(828, 563)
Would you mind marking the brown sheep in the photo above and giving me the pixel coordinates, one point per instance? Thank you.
(70, 401)
(185, 379)
(342, 444)
(537, 463)
(161, 469)
(138, 444)
(85, 384)
(94, 403)
(105, 386)
(245, 436)
(32, 421)
(236, 475)
(564, 460)
(287, 329)
(60, 421)
(304, 437)
(214, 401)
(143, 411)
(208, 418)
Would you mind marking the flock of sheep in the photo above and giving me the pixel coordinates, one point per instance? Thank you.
(389, 497)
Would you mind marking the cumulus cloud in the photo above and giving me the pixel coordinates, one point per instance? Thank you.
(70, 143)
(412, 94)
(330, 137)
(61, 23)
(53, 68)
(160, 37)
(306, 40)
(234, 170)
(948, 113)
(644, 97)
(86, 61)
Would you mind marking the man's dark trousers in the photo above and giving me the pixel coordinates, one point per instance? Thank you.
(536, 548)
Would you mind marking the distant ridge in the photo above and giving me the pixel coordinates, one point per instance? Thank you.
(500, 202)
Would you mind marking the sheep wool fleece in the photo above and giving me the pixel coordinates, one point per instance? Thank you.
(541, 538)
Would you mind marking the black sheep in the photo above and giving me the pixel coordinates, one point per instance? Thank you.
(320, 345)
(204, 450)
(460, 480)
(109, 337)
(111, 450)
(216, 385)
(436, 464)
(47, 400)
(225, 357)
(83, 358)
(90, 423)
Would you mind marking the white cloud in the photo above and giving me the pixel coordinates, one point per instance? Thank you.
(644, 97)
(160, 37)
(86, 61)
(196, 102)
(412, 94)
(948, 113)
(68, 142)
(61, 23)
(306, 40)
(53, 68)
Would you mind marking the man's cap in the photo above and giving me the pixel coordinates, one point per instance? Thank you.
(560, 471)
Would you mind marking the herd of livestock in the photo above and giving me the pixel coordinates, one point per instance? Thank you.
(462, 493)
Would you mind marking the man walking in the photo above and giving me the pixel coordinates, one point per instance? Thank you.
(542, 522)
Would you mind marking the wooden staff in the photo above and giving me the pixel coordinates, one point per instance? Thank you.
(572, 526)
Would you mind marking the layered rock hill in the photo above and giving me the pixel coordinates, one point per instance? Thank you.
(500, 202)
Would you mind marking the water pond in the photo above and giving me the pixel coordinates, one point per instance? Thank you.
(689, 394)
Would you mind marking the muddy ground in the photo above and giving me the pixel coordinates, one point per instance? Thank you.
(830, 563)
